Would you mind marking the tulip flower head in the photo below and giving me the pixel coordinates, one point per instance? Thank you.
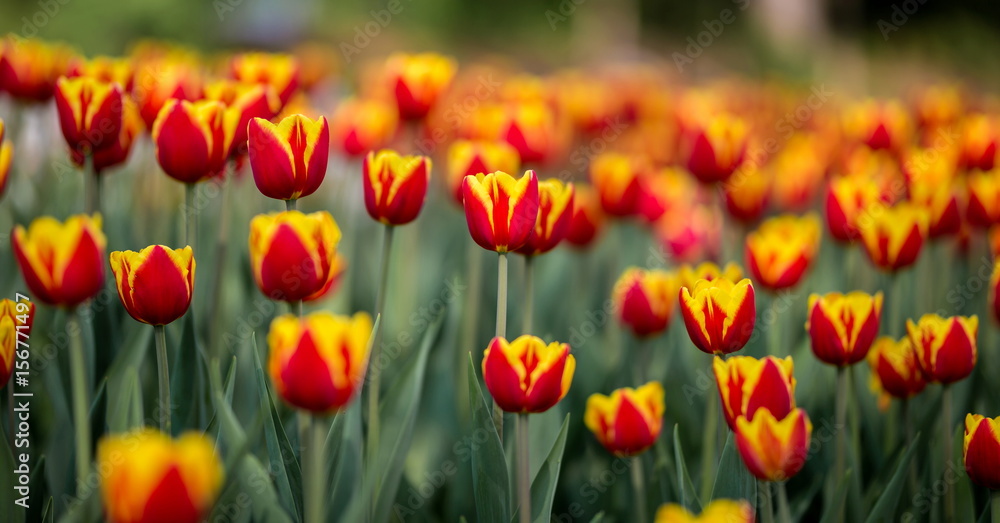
(774, 449)
(780, 251)
(105, 69)
(159, 81)
(193, 139)
(629, 420)
(645, 300)
(715, 147)
(842, 327)
(666, 192)
(12, 316)
(587, 219)
(618, 180)
(555, 208)
(893, 236)
(62, 262)
(116, 153)
(526, 375)
(846, 198)
(878, 124)
(289, 159)
(978, 142)
(395, 186)
(318, 362)
(362, 125)
(90, 113)
(895, 368)
(148, 477)
(249, 101)
(946, 347)
(472, 157)
(501, 210)
(30, 67)
(747, 384)
(984, 198)
(533, 129)
(716, 511)
(707, 270)
(293, 255)
(155, 284)
(279, 71)
(417, 81)
(747, 193)
(719, 315)
(981, 450)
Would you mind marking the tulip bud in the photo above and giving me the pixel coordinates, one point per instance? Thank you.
(804, 156)
(293, 255)
(746, 194)
(359, 125)
(148, 477)
(618, 180)
(318, 362)
(981, 450)
(645, 300)
(747, 384)
(62, 262)
(893, 236)
(249, 101)
(158, 82)
(526, 375)
(946, 347)
(116, 153)
(878, 124)
(29, 67)
(846, 197)
(501, 210)
(105, 69)
(155, 284)
(279, 71)
(719, 315)
(532, 129)
(939, 199)
(417, 81)
(665, 192)
(716, 511)
(555, 207)
(714, 147)
(690, 232)
(629, 420)
(984, 198)
(689, 275)
(842, 327)
(938, 106)
(289, 159)
(978, 143)
(90, 113)
(780, 251)
(395, 186)
(587, 219)
(193, 140)
(774, 449)
(16, 319)
(469, 158)
(895, 368)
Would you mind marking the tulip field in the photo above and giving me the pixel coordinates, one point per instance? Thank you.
(249, 286)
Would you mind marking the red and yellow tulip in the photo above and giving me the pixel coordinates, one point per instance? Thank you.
(90, 113)
(774, 449)
(472, 157)
(842, 327)
(105, 69)
(981, 450)
(193, 139)
(893, 236)
(501, 210)
(984, 198)
(747, 193)
(29, 67)
(878, 124)
(279, 71)
(155, 284)
(978, 143)
(747, 384)
(395, 186)
(249, 100)
(361, 125)
(289, 159)
(62, 262)
(645, 300)
(846, 198)
(318, 362)
(629, 420)
(293, 255)
(618, 180)
(533, 129)
(15, 317)
(714, 147)
(417, 81)
(555, 209)
(780, 251)
(526, 375)
(895, 368)
(707, 270)
(587, 219)
(946, 347)
(116, 153)
(157, 82)
(719, 314)
(716, 511)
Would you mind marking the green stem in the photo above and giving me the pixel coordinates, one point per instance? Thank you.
(639, 489)
(221, 246)
(949, 497)
(840, 409)
(501, 328)
(904, 407)
(160, 333)
(895, 327)
(995, 506)
(314, 465)
(774, 330)
(374, 366)
(470, 320)
(709, 440)
(81, 419)
(784, 512)
(766, 502)
(529, 294)
(291, 205)
(190, 217)
(299, 307)
(92, 181)
(523, 469)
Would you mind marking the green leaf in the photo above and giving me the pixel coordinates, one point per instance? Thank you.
(344, 466)
(125, 408)
(689, 498)
(489, 466)
(249, 479)
(543, 486)
(230, 431)
(185, 378)
(8, 480)
(49, 512)
(230, 386)
(834, 510)
(598, 518)
(732, 479)
(886, 505)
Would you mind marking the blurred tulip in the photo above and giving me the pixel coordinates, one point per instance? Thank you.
(193, 139)
(981, 450)
(395, 186)
(895, 368)
(90, 113)
(690, 274)
(747, 384)
(16, 319)
(532, 129)
(629, 420)
(6, 158)
(293, 255)
(842, 327)
(501, 210)
(288, 159)
(147, 477)
(664, 192)
(945, 347)
(774, 449)
(690, 232)
(279, 71)
(934, 187)
(157, 82)
(645, 300)
(105, 69)
(318, 362)
(719, 314)
(846, 198)
(715, 147)
(780, 251)
(878, 124)
(938, 106)
(587, 101)
(978, 143)
(155, 284)
(893, 236)
(472, 157)
(526, 375)
(587, 219)
(984, 198)
(618, 180)
(250, 101)
(801, 155)
(62, 262)
(555, 209)
(716, 511)
(29, 67)
(117, 153)
(362, 125)
(417, 81)
(746, 194)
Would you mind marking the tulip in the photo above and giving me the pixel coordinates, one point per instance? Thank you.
(148, 477)
(938, 106)
(417, 81)
(803, 155)
(555, 208)
(747, 384)
(645, 300)
(939, 199)
(105, 69)
(665, 192)
(289, 159)
(774, 449)
(846, 198)
(279, 71)
(293, 255)
(690, 232)
(587, 219)
(842, 327)
(193, 139)
(472, 157)
(318, 362)
(895, 368)
(526, 375)
(746, 194)
(501, 210)
(984, 198)
(117, 153)
(689, 275)
(629, 420)
(62, 262)
(893, 236)
(946, 347)
(29, 67)
(361, 125)
(981, 450)
(719, 315)
(155, 284)
(716, 511)
(90, 113)
(618, 181)
(250, 101)
(395, 186)
(780, 251)
(978, 143)
(16, 319)
(878, 124)
(6, 158)
(158, 82)
(532, 129)
(714, 147)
